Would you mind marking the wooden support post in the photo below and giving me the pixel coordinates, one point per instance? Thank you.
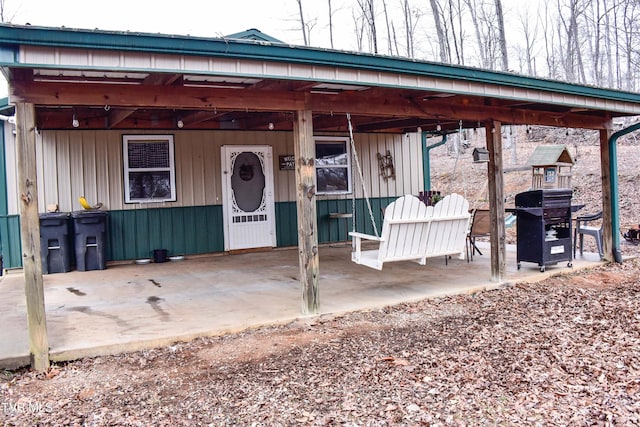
(30, 235)
(305, 154)
(496, 200)
(607, 231)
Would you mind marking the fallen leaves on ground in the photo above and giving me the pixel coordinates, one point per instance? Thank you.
(560, 352)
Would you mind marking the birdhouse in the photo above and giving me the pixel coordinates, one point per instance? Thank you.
(551, 167)
(480, 155)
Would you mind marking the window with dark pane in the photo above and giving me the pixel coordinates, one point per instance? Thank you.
(333, 166)
(149, 173)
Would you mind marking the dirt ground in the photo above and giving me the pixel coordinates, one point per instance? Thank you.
(560, 352)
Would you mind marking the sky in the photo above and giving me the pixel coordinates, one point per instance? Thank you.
(215, 18)
(206, 18)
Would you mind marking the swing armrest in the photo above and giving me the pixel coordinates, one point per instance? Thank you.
(357, 247)
(359, 236)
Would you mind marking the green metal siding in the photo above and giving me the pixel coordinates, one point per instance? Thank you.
(134, 234)
(286, 224)
(338, 229)
(10, 243)
(3, 172)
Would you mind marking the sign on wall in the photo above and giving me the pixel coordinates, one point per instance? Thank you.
(287, 162)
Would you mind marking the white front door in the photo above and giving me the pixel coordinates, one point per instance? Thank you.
(247, 192)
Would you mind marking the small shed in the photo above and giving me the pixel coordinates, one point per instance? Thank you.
(551, 167)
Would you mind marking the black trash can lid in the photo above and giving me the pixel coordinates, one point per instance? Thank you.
(88, 213)
(55, 215)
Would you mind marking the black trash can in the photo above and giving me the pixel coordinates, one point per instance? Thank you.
(55, 242)
(90, 230)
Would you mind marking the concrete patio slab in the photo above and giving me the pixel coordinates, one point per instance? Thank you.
(129, 307)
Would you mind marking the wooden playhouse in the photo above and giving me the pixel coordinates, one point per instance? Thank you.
(551, 167)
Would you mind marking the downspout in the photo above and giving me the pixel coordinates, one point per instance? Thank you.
(426, 162)
(613, 173)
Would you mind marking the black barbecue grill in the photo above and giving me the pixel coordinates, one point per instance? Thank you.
(544, 226)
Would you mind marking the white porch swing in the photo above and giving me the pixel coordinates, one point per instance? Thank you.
(411, 231)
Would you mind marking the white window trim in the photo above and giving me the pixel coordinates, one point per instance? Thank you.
(172, 166)
(335, 140)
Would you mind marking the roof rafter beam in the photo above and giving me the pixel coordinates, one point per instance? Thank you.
(161, 79)
(118, 115)
(392, 106)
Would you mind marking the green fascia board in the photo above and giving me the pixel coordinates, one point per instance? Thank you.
(12, 36)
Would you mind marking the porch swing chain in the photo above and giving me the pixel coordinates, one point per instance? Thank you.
(464, 177)
(354, 153)
(455, 164)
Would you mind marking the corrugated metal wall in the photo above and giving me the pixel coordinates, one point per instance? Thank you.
(89, 163)
(10, 244)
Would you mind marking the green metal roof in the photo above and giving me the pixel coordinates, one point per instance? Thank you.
(12, 36)
(545, 155)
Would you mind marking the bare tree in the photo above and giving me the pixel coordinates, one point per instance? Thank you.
(608, 59)
(551, 57)
(330, 24)
(569, 37)
(302, 24)
(502, 36)
(455, 17)
(411, 18)
(484, 23)
(445, 53)
(358, 26)
(630, 16)
(389, 26)
(369, 18)
(529, 27)
(5, 16)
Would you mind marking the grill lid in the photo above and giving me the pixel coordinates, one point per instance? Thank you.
(544, 198)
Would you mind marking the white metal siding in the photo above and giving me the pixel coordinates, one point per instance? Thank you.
(89, 163)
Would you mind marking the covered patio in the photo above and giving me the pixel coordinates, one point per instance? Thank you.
(130, 307)
(84, 98)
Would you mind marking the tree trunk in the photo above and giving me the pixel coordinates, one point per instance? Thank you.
(386, 19)
(359, 30)
(442, 39)
(576, 38)
(479, 39)
(330, 24)
(302, 24)
(368, 17)
(457, 48)
(410, 27)
(503, 38)
(549, 43)
(372, 25)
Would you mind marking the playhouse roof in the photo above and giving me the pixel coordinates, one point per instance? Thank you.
(545, 155)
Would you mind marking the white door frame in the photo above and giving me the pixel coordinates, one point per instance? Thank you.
(266, 229)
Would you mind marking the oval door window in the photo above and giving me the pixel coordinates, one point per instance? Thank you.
(248, 181)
